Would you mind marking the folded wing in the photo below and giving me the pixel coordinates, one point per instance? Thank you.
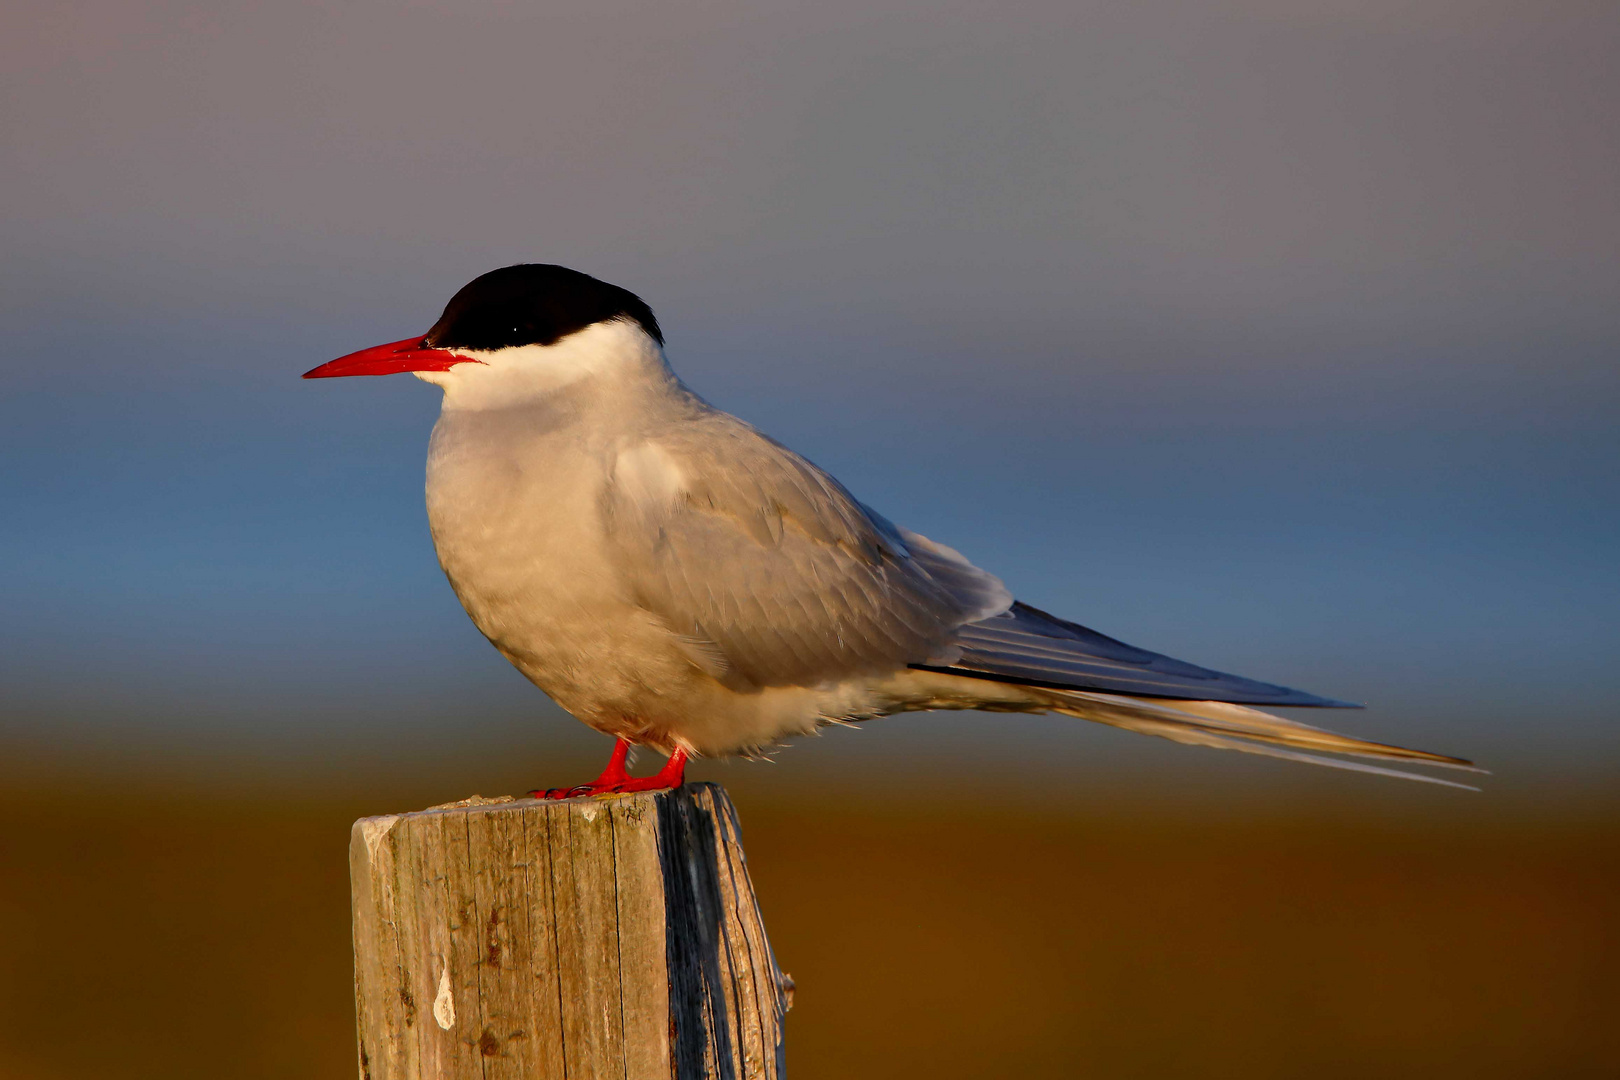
(1026, 645)
(773, 575)
(773, 572)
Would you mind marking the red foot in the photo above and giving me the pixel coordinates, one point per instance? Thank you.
(615, 779)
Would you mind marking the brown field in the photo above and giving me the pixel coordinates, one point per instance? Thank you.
(195, 937)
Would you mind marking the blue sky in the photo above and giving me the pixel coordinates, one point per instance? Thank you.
(1281, 341)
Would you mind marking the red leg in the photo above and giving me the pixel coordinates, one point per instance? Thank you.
(615, 778)
(615, 771)
(672, 775)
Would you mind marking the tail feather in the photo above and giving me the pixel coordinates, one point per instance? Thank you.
(1226, 726)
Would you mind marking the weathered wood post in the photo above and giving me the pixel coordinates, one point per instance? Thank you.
(589, 938)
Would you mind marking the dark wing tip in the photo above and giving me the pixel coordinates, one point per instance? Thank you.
(1031, 647)
(1253, 694)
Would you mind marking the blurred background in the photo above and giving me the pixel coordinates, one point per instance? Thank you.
(1278, 337)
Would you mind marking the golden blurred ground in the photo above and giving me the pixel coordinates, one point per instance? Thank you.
(174, 938)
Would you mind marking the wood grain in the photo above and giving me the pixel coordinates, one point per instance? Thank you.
(505, 939)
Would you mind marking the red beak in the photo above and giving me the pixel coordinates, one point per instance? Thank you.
(408, 355)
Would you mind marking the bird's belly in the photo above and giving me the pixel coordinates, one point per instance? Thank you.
(544, 592)
(520, 534)
(530, 563)
(521, 539)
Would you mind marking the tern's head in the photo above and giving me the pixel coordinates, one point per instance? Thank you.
(518, 330)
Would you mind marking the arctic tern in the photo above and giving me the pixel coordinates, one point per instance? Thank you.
(676, 579)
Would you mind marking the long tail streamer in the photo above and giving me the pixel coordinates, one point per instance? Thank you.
(1236, 727)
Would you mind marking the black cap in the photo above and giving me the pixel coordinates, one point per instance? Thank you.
(533, 304)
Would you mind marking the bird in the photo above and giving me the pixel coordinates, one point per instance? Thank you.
(679, 580)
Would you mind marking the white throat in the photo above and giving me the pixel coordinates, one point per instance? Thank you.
(617, 351)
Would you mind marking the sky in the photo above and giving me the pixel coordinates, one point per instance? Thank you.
(1281, 338)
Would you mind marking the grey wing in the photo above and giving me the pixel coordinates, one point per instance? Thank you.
(1026, 645)
(771, 571)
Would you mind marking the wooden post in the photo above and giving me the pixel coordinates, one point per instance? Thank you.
(589, 938)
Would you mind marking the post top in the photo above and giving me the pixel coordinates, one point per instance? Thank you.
(378, 825)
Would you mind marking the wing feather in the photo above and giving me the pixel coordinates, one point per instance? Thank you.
(1226, 726)
(1026, 645)
(769, 573)
(764, 556)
